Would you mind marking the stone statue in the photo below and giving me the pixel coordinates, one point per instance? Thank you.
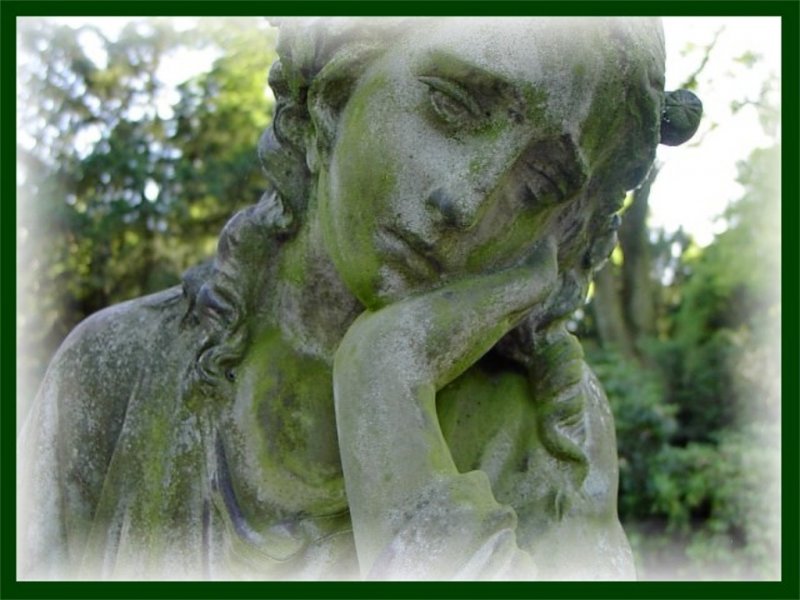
(373, 380)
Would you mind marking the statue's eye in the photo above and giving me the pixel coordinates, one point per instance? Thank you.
(544, 183)
(451, 102)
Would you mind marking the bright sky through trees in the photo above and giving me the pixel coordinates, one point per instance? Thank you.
(698, 180)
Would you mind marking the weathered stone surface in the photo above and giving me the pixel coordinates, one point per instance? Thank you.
(374, 379)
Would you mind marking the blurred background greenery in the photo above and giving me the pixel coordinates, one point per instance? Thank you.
(136, 142)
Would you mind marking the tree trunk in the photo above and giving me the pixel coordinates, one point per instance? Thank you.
(608, 312)
(637, 288)
(624, 304)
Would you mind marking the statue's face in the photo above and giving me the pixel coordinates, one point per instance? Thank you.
(455, 152)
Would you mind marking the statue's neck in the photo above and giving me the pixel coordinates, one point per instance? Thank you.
(308, 301)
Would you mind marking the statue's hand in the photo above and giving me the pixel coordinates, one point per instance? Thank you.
(398, 469)
(434, 336)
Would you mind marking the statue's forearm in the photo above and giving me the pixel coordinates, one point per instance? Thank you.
(398, 469)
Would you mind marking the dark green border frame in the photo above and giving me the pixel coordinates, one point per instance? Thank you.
(789, 587)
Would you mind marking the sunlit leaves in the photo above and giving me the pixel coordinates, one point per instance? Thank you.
(125, 177)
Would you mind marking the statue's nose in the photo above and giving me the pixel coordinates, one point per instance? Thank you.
(453, 212)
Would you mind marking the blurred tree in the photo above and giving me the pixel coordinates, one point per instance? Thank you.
(729, 312)
(699, 429)
(124, 180)
(686, 348)
(624, 305)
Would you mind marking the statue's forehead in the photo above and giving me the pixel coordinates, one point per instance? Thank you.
(517, 49)
(534, 59)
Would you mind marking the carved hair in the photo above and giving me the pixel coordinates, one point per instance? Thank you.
(587, 226)
(221, 297)
(320, 61)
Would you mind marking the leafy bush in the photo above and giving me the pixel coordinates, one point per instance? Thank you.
(644, 423)
(710, 508)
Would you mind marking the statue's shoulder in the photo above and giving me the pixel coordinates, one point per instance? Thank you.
(125, 354)
(125, 327)
(111, 353)
(145, 311)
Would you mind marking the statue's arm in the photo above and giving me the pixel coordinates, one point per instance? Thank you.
(64, 448)
(41, 536)
(413, 514)
(71, 433)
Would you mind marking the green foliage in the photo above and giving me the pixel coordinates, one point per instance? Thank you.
(645, 424)
(719, 508)
(729, 309)
(698, 419)
(711, 505)
(124, 179)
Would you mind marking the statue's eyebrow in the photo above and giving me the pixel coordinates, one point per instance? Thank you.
(486, 84)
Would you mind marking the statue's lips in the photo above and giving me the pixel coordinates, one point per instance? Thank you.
(409, 251)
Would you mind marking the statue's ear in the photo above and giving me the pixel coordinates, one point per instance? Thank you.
(681, 117)
(329, 93)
